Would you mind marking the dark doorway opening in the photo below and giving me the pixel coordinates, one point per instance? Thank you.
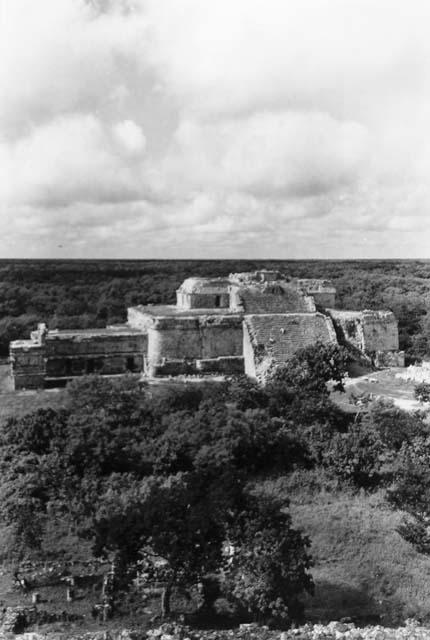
(131, 364)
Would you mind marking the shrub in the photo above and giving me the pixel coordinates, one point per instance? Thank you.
(358, 455)
(422, 392)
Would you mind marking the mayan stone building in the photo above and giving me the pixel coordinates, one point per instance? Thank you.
(245, 323)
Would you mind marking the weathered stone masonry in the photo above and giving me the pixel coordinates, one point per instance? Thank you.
(248, 322)
(52, 356)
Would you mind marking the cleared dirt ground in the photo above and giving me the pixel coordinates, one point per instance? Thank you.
(379, 384)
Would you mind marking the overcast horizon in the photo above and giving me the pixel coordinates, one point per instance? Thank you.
(187, 129)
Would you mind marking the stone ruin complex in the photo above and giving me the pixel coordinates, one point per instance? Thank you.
(244, 323)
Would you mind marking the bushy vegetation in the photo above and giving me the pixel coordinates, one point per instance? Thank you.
(174, 477)
(422, 392)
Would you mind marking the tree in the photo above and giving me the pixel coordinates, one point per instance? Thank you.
(267, 572)
(411, 492)
(27, 486)
(311, 368)
(422, 392)
(178, 519)
(394, 426)
(108, 426)
(217, 435)
(357, 455)
(247, 394)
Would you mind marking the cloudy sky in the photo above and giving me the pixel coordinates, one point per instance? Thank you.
(214, 128)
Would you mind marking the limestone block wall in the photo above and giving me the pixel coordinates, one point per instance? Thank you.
(202, 300)
(253, 356)
(368, 331)
(228, 365)
(138, 318)
(104, 353)
(76, 344)
(380, 331)
(192, 338)
(27, 364)
(107, 364)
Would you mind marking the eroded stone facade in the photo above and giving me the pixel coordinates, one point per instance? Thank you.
(244, 323)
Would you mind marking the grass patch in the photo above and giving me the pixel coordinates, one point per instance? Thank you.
(363, 568)
(18, 403)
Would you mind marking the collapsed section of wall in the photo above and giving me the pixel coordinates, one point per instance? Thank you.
(322, 291)
(271, 339)
(270, 297)
(374, 333)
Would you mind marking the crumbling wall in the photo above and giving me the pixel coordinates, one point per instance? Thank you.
(368, 331)
(322, 291)
(67, 354)
(250, 354)
(203, 293)
(139, 318)
(349, 328)
(271, 297)
(380, 331)
(28, 367)
(270, 340)
(104, 353)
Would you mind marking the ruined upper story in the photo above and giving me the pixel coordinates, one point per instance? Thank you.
(260, 291)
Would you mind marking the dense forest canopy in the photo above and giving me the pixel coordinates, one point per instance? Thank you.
(93, 293)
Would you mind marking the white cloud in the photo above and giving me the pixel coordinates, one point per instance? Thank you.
(331, 55)
(59, 56)
(229, 128)
(130, 136)
(74, 159)
(270, 154)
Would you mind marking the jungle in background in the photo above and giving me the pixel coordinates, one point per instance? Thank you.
(93, 293)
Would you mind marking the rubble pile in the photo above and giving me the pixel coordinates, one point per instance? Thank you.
(16, 619)
(332, 631)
